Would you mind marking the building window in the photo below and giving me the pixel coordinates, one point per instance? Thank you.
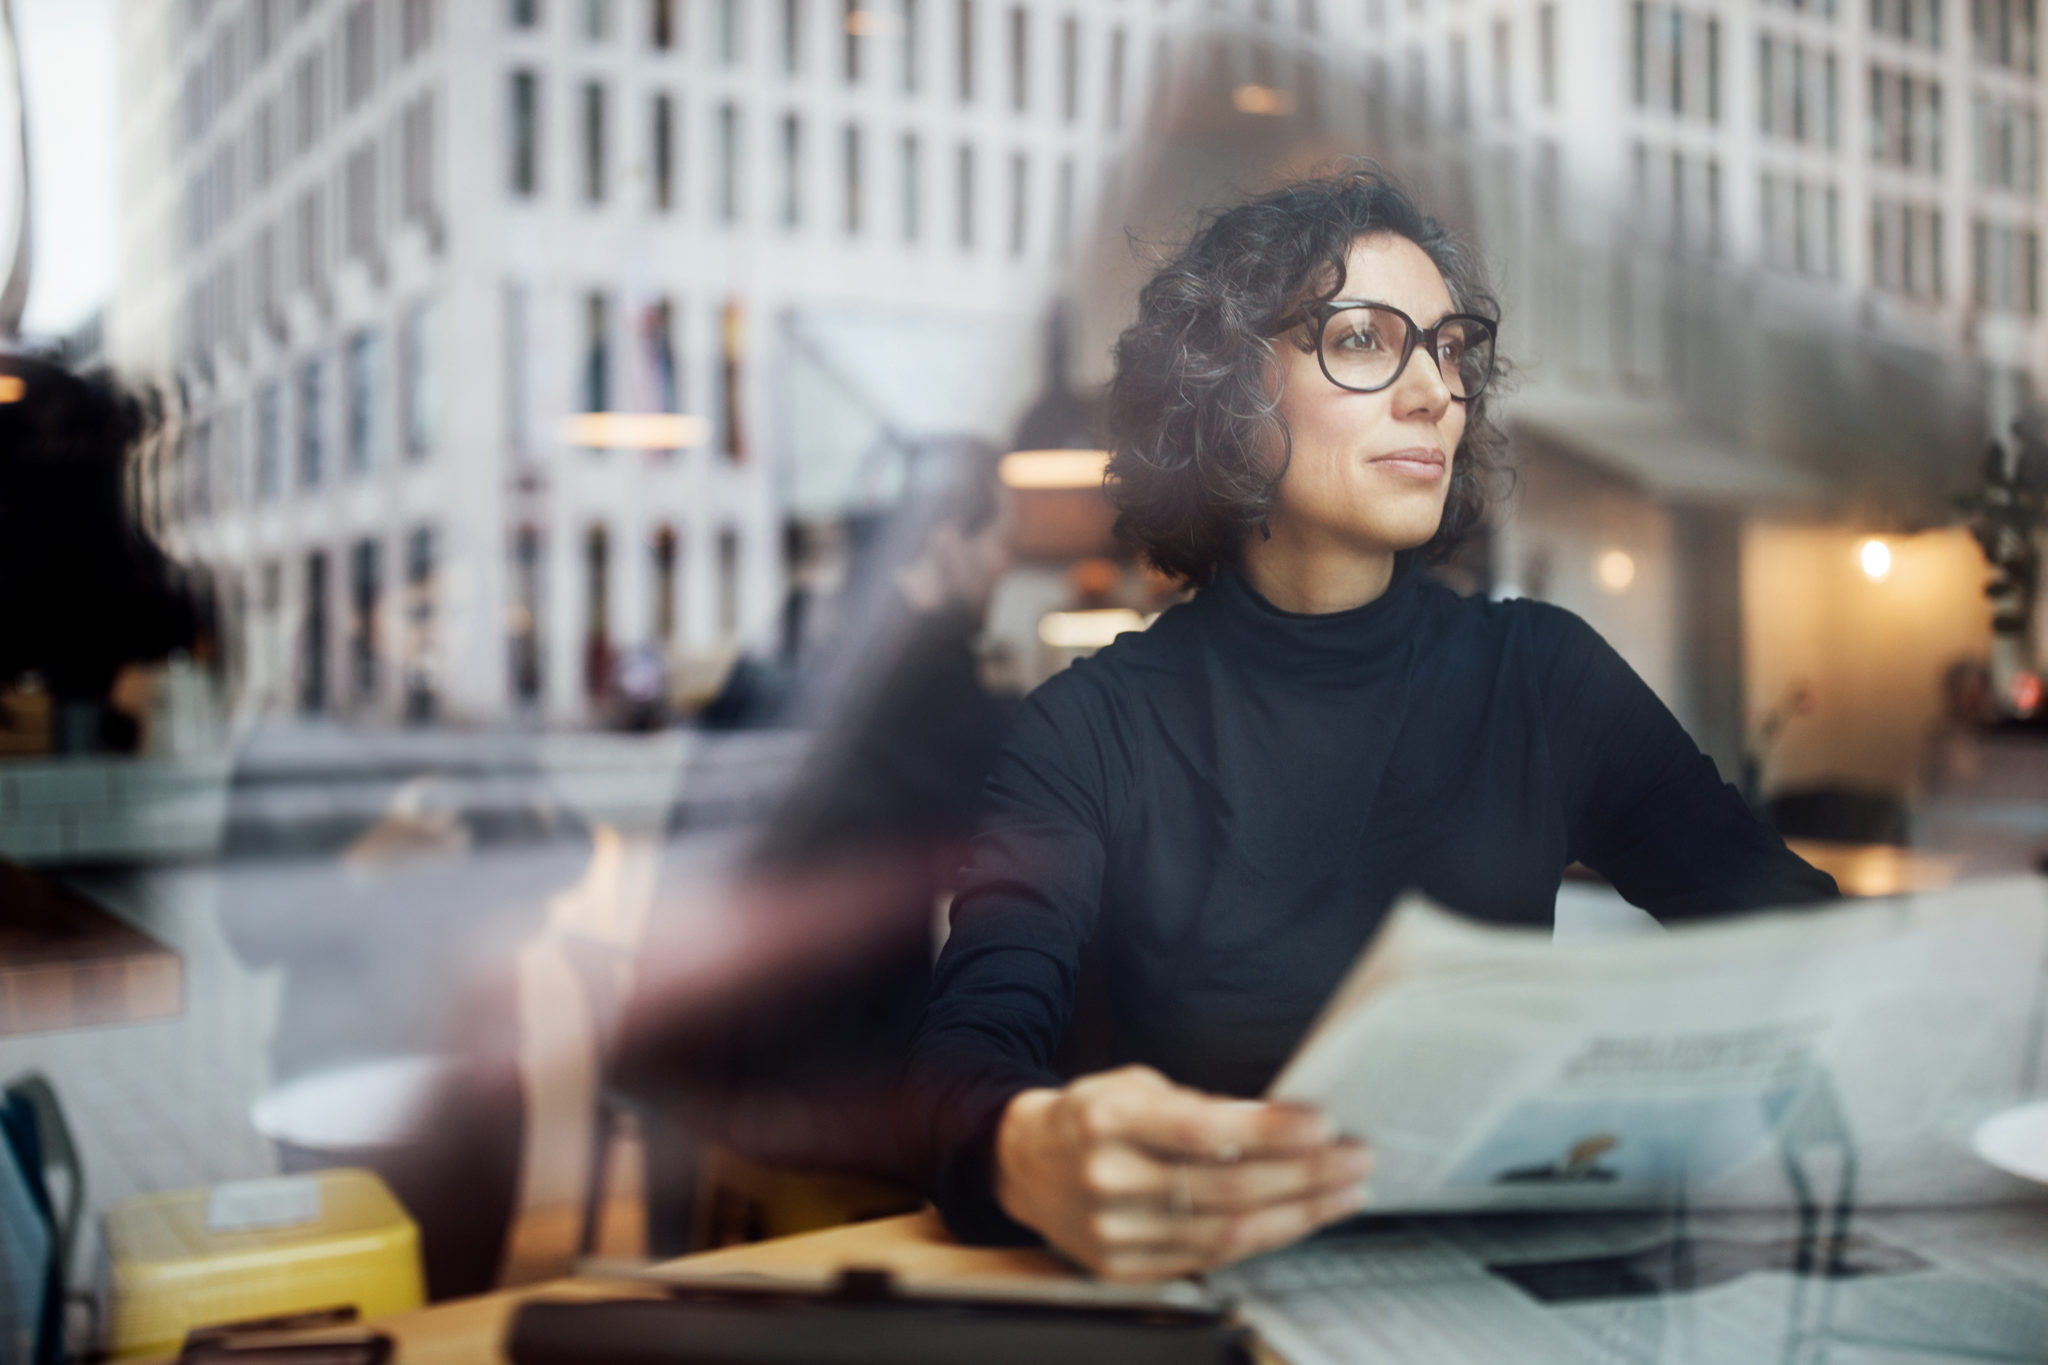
(597, 20)
(417, 149)
(907, 178)
(661, 24)
(365, 588)
(1910, 21)
(792, 36)
(422, 645)
(525, 618)
(963, 26)
(415, 27)
(792, 170)
(593, 142)
(729, 32)
(2003, 33)
(417, 381)
(1070, 68)
(851, 160)
(1461, 97)
(362, 383)
(2006, 268)
(728, 163)
(662, 152)
(1546, 55)
(597, 360)
(1503, 70)
(358, 53)
(269, 441)
(658, 333)
(312, 416)
(313, 639)
(1905, 120)
(728, 583)
(525, 148)
(2006, 142)
(964, 192)
(524, 13)
(597, 645)
(1020, 175)
(731, 411)
(1063, 210)
(517, 378)
(1113, 97)
(907, 19)
(855, 27)
(1020, 58)
(1906, 249)
(665, 595)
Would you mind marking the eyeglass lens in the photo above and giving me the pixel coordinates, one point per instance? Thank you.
(1362, 350)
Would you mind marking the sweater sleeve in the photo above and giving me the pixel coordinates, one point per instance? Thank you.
(1003, 988)
(1644, 807)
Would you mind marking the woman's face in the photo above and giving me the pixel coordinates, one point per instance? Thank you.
(1370, 470)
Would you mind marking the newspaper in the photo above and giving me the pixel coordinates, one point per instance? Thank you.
(1757, 1062)
(1783, 1103)
(1674, 1289)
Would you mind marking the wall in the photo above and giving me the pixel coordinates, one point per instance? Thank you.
(1872, 653)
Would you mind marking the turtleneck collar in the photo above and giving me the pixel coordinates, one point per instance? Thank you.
(1308, 642)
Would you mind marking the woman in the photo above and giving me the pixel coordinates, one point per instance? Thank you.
(1225, 805)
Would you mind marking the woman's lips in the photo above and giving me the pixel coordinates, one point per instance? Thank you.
(1415, 463)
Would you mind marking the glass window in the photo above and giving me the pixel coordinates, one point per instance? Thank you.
(792, 170)
(269, 441)
(593, 142)
(312, 416)
(661, 152)
(963, 24)
(418, 383)
(728, 163)
(1020, 57)
(363, 358)
(525, 13)
(597, 322)
(964, 193)
(852, 168)
(908, 173)
(525, 134)
(661, 24)
(908, 23)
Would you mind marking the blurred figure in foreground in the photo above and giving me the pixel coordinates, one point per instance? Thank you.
(845, 876)
(84, 591)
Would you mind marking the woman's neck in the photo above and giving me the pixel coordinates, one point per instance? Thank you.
(1314, 579)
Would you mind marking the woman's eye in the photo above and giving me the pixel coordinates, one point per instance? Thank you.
(1361, 341)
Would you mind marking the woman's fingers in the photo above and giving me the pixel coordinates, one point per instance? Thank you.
(1131, 1234)
(1140, 1106)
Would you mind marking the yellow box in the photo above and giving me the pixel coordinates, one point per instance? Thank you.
(256, 1249)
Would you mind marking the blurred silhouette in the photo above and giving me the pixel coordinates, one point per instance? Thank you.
(850, 865)
(84, 591)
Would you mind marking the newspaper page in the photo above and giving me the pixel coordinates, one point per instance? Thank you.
(1759, 1062)
(1673, 1289)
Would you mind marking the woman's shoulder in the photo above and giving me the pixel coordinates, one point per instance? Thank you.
(1524, 621)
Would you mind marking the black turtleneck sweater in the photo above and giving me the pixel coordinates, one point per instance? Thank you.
(1227, 804)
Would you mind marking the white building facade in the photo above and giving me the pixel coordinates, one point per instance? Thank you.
(381, 251)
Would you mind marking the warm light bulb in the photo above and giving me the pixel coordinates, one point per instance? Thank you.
(1615, 570)
(1876, 558)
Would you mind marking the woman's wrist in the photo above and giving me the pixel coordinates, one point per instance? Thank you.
(1018, 1137)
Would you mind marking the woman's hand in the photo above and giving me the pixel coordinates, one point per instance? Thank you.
(1138, 1178)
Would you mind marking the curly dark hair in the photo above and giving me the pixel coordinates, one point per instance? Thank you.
(1190, 413)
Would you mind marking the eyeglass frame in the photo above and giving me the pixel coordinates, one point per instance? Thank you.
(1323, 314)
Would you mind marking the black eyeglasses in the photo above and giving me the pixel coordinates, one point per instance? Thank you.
(1364, 347)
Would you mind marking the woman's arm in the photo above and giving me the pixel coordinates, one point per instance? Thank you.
(1125, 1172)
(1645, 808)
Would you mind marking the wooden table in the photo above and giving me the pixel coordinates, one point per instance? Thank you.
(68, 963)
(914, 1246)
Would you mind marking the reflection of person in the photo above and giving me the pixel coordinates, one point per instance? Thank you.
(1222, 808)
(802, 1073)
(1580, 1165)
